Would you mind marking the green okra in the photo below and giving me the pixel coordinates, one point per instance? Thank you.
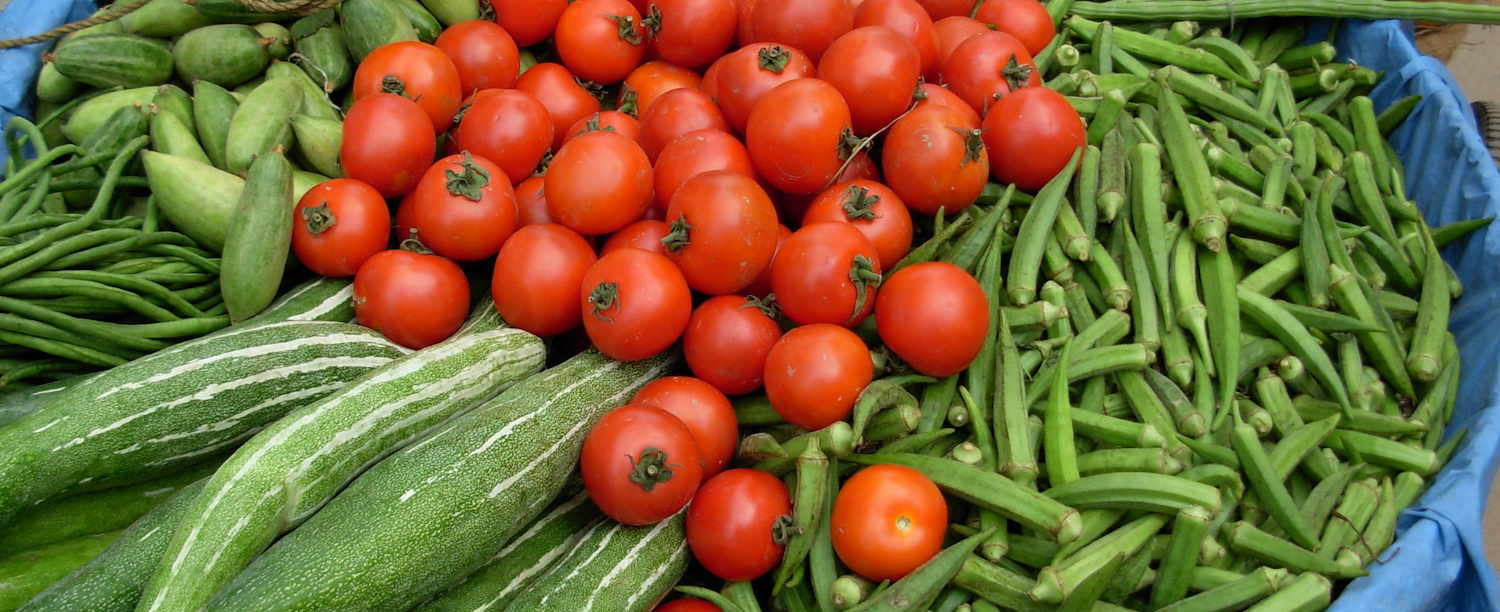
(1207, 96)
(1369, 140)
(1382, 346)
(1383, 451)
(1354, 512)
(1207, 224)
(1057, 432)
(1112, 174)
(1246, 539)
(1155, 460)
(1445, 235)
(1425, 359)
(1106, 274)
(1086, 193)
(1216, 272)
(1309, 592)
(924, 583)
(1175, 571)
(1055, 583)
(1275, 319)
(1191, 314)
(1395, 114)
(1136, 491)
(1027, 254)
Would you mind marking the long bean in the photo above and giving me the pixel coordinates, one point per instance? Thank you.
(1209, 10)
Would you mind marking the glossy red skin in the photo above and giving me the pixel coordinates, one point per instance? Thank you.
(404, 221)
(1027, 20)
(619, 439)
(742, 81)
(794, 135)
(908, 19)
(589, 42)
(697, 152)
(459, 228)
(890, 231)
(876, 70)
(706, 412)
(744, 31)
(361, 228)
(678, 112)
(810, 274)
(938, 95)
(614, 121)
(508, 127)
(653, 79)
(565, 100)
(809, 25)
(974, 70)
(953, 313)
(531, 202)
(939, 9)
(951, 31)
(536, 278)
(815, 373)
(730, 522)
(733, 235)
(710, 84)
(1031, 156)
(726, 344)
(645, 234)
(868, 516)
(652, 312)
(415, 300)
(528, 21)
(926, 161)
(762, 285)
(695, 32)
(687, 605)
(484, 54)
(598, 183)
(388, 143)
(430, 78)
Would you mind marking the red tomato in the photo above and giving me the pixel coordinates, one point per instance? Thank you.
(811, 275)
(937, 95)
(809, 25)
(705, 411)
(798, 135)
(388, 143)
(723, 231)
(483, 53)
(876, 70)
(565, 99)
(650, 82)
(528, 21)
(1027, 20)
(935, 159)
(710, 84)
(762, 285)
(934, 315)
(887, 521)
(531, 202)
(687, 605)
(600, 40)
(988, 66)
(744, 31)
(416, 70)
(680, 111)
(608, 121)
(510, 128)
(951, 31)
(416, 300)
(726, 343)
(598, 183)
(692, 32)
(697, 152)
(640, 464)
(635, 304)
(405, 219)
(814, 374)
(339, 224)
(645, 234)
(537, 277)
(465, 208)
(940, 9)
(1030, 135)
(908, 19)
(873, 209)
(752, 72)
(860, 167)
(731, 522)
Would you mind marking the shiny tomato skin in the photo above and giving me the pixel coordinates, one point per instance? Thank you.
(388, 143)
(885, 220)
(706, 412)
(976, 70)
(415, 300)
(693, 32)
(687, 605)
(876, 70)
(729, 231)
(425, 74)
(941, 9)
(726, 343)
(752, 72)
(950, 31)
(405, 220)
(935, 159)
(645, 234)
(933, 315)
(937, 95)
(1030, 136)
(484, 54)
(598, 183)
(537, 276)
(528, 21)
(744, 30)
(809, 25)
(508, 127)
(565, 100)
(651, 81)
(710, 83)
(360, 229)
(1027, 20)
(678, 112)
(624, 442)
(888, 520)
(697, 152)
(609, 121)
(456, 225)
(595, 45)
(531, 202)
(795, 133)
(810, 275)
(814, 373)
(762, 285)
(650, 309)
(730, 522)
(908, 19)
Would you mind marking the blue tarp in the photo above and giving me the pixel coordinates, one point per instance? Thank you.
(19, 66)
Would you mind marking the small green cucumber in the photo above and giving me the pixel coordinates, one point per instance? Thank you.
(93, 113)
(27, 573)
(165, 19)
(262, 123)
(230, 11)
(173, 100)
(614, 568)
(197, 198)
(110, 60)
(260, 235)
(170, 136)
(17, 404)
(213, 108)
(226, 54)
(315, 102)
(318, 140)
(52, 86)
(422, 21)
(280, 45)
(243, 90)
(373, 23)
(453, 11)
(324, 56)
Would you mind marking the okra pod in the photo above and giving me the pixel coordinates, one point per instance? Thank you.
(1245, 539)
(1206, 222)
(1026, 256)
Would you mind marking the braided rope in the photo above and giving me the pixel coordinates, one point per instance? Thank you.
(290, 7)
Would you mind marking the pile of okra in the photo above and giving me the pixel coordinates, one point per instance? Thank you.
(1219, 365)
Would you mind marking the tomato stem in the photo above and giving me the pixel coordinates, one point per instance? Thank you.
(849, 146)
(678, 238)
(1016, 74)
(627, 103)
(471, 182)
(393, 84)
(628, 32)
(973, 144)
(541, 166)
(652, 22)
(766, 306)
(592, 125)
(862, 273)
(859, 204)
(784, 529)
(414, 245)
(604, 297)
(486, 10)
(652, 468)
(775, 58)
(917, 94)
(319, 218)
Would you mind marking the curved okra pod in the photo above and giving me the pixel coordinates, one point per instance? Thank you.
(1149, 216)
(1154, 460)
(1212, 452)
(1268, 486)
(1189, 420)
(1112, 159)
(1236, 593)
(1143, 305)
(1207, 96)
(878, 396)
(1090, 363)
(798, 530)
(1191, 314)
(1325, 321)
(1217, 475)
(1245, 539)
(1270, 278)
(1315, 261)
(1383, 451)
(1011, 411)
(1308, 592)
(1026, 255)
(1206, 223)
(1301, 446)
(1136, 491)
(1056, 582)
(1275, 319)
(1057, 432)
(1444, 235)
(1176, 568)
(1382, 346)
(1101, 266)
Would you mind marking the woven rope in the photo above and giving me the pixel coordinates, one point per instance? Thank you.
(292, 7)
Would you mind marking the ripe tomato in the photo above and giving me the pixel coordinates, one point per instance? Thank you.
(416, 300)
(726, 343)
(934, 315)
(752, 72)
(861, 167)
(876, 70)
(705, 411)
(416, 70)
(935, 159)
(339, 224)
(761, 288)
(815, 372)
(798, 135)
(645, 234)
(528, 21)
(608, 121)
(531, 202)
(888, 520)
(560, 92)
(941, 9)
(692, 32)
(731, 523)
(951, 31)
(1030, 135)
(635, 304)
(640, 464)
(679, 111)
(710, 84)
(600, 40)
(987, 66)
(811, 275)
(937, 95)
(508, 127)
(873, 209)
(598, 183)
(697, 152)
(908, 19)
(650, 81)
(483, 53)
(388, 143)
(687, 605)
(537, 277)
(1027, 20)
(405, 219)
(723, 231)
(809, 25)
(744, 32)
(464, 208)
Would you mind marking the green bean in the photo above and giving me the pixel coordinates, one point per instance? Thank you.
(82, 257)
(43, 163)
(928, 251)
(81, 327)
(1027, 254)
(60, 348)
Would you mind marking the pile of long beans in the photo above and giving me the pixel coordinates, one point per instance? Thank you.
(1219, 363)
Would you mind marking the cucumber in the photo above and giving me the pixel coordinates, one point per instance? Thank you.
(506, 575)
(173, 100)
(197, 198)
(325, 58)
(17, 404)
(177, 407)
(213, 108)
(260, 235)
(52, 86)
(25, 574)
(226, 54)
(320, 299)
(243, 89)
(169, 136)
(262, 123)
(422, 21)
(434, 512)
(110, 60)
(453, 11)
(369, 24)
(113, 580)
(280, 45)
(93, 113)
(315, 103)
(165, 19)
(289, 471)
(229, 11)
(614, 568)
(318, 140)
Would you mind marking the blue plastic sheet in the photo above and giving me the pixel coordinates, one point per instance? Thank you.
(19, 66)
